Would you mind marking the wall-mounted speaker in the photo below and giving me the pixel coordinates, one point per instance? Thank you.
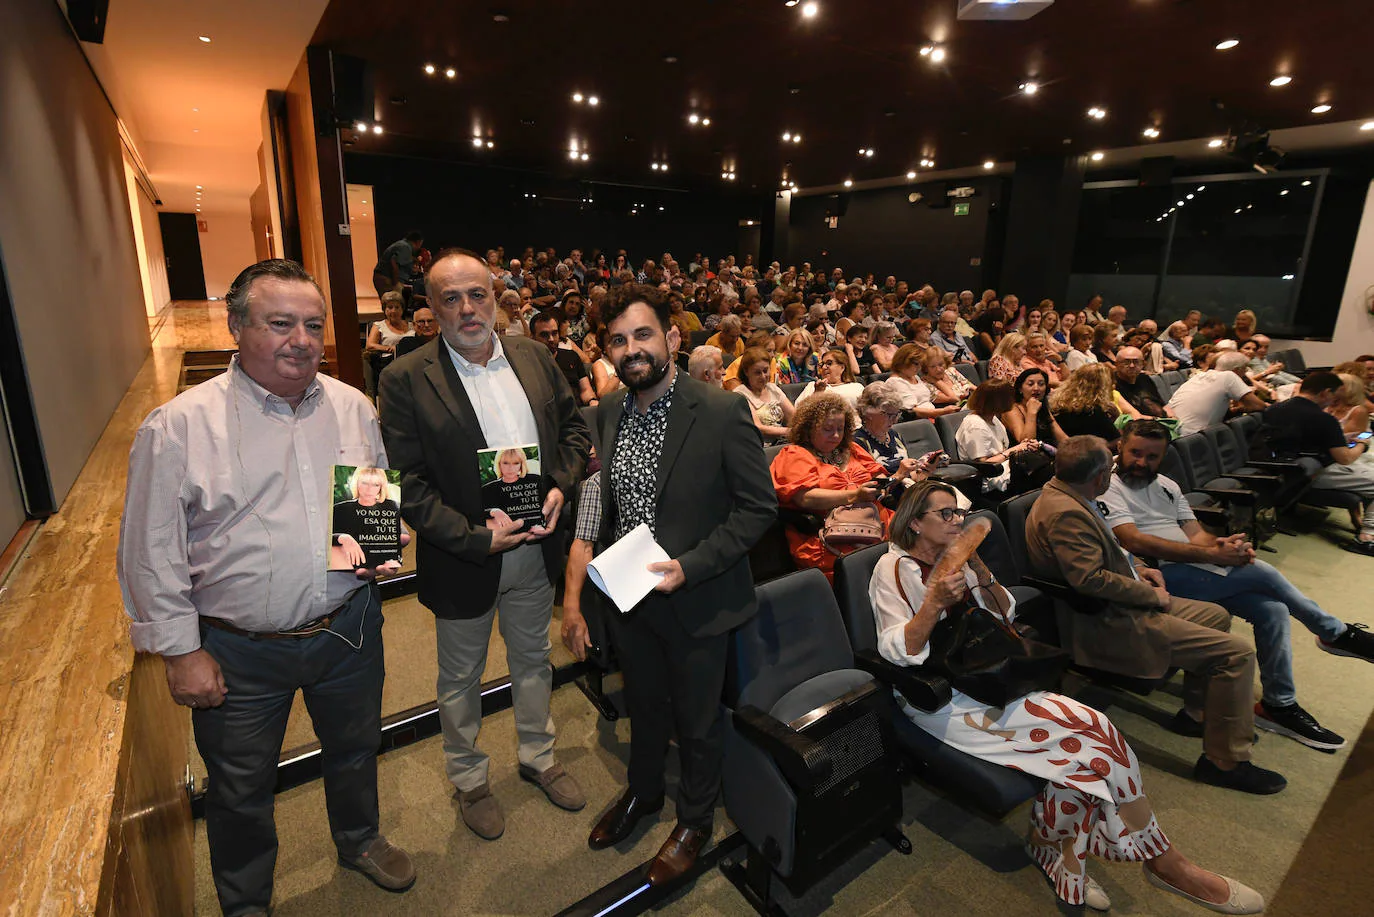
(355, 97)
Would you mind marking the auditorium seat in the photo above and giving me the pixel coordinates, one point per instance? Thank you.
(982, 367)
(1162, 387)
(948, 426)
(973, 782)
(968, 371)
(792, 390)
(808, 772)
(697, 338)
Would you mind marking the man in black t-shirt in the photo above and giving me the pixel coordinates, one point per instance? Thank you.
(1301, 426)
(1135, 386)
(544, 328)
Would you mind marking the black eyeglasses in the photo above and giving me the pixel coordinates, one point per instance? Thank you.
(949, 513)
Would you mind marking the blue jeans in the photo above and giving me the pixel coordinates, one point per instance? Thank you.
(1260, 594)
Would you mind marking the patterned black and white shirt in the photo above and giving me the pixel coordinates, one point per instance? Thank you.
(634, 468)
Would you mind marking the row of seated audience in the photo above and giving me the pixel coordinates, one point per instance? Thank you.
(841, 453)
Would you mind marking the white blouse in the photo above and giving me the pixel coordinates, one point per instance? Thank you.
(978, 439)
(912, 394)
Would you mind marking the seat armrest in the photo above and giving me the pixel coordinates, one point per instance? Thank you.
(1283, 468)
(802, 761)
(1211, 518)
(984, 469)
(806, 523)
(1257, 481)
(922, 688)
(1239, 496)
(1077, 601)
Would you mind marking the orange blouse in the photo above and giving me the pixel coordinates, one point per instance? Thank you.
(796, 470)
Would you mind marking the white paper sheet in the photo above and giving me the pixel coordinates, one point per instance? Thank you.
(620, 571)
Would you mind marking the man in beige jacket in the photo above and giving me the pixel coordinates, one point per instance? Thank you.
(1141, 630)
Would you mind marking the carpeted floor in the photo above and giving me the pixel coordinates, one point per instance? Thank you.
(1307, 849)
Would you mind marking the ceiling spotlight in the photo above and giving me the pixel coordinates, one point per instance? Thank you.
(1228, 44)
(1097, 113)
(705, 122)
(585, 157)
(1281, 80)
(793, 186)
(848, 183)
(796, 138)
(572, 154)
(927, 163)
(429, 69)
(1237, 210)
(450, 73)
(376, 128)
(910, 176)
(1283, 192)
(1321, 109)
(577, 97)
(693, 118)
(791, 3)
(663, 167)
(660, 208)
(786, 136)
(1215, 142)
(1188, 197)
(654, 166)
(1030, 87)
(593, 101)
(1201, 188)
(1286, 277)
(364, 202)
(1249, 206)
(1307, 183)
(490, 144)
(937, 55)
(477, 142)
(989, 164)
(202, 187)
(195, 109)
(1151, 132)
(1097, 157)
(1367, 126)
(810, 9)
(204, 38)
(360, 127)
(1178, 203)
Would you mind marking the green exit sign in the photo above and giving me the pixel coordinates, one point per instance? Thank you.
(961, 209)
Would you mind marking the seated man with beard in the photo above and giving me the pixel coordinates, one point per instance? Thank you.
(1150, 517)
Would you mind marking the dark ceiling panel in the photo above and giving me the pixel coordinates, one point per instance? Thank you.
(850, 78)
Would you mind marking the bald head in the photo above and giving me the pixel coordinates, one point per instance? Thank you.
(1129, 362)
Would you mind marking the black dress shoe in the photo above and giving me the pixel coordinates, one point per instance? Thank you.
(621, 819)
(1245, 777)
(677, 854)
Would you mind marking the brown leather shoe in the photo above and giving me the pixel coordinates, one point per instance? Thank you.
(677, 854)
(620, 820)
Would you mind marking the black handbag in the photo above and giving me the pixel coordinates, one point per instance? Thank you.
(986, 657)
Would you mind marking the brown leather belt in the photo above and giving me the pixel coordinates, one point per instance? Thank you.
(308, 629)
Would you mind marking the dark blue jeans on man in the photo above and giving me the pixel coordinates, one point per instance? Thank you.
(1260, 594)
(340, 675)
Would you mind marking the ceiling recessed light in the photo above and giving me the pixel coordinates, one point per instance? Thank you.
(204, 38)
(490, 144)
(360, 127)
(786, 136)
(989, 164)
(196, 130)
(937, 54)
(499, 17)
(1188, 196)
(1202, 188)
(1281, 80)
(450, 73)
(1178, 203)
(376, 128)
(848, 183)
(663, 167)
(693, 118)
(910, 175)
(477, 142)
(1367, 126)
(660, 208)
(1283, 192)
(1097, 157)
(1228, 44)
(1237, 210)
(199, 187)
(585, 157)
(1321, 109)
(1215, 142)
(654, 166)
(364, 202)
(1151, 132)
(572, 154)
(791, 2)
(810, 9)
(577, 97)
(1307, 183)
(1030, 87)
(195, 109)
(593, 100)
(705, 122)
(429, 68)
(1097, 113)
(1249, 206)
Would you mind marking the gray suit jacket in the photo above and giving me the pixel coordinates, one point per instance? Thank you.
(432, 436)
(715, 500)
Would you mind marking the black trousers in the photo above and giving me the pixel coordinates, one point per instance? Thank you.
(241, 742)
(672, 679)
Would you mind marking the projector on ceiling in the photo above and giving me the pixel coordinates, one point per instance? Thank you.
(1001, 9)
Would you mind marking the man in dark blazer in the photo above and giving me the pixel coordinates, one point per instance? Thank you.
(469, 390)
(684, 458)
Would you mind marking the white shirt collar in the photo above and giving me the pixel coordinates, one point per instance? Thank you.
(465, 367)
(260, 395)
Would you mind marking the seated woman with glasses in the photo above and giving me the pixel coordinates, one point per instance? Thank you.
(879, 409)
(915, 395)
(1094, 803)
(836, 378)
(824, 469)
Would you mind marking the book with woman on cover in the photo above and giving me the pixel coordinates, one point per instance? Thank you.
(512, 483)
(366, 529)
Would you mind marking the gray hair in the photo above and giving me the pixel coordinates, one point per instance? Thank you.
(883, 328)
(703, 358)
(241, 290)
(879, 396)
(1231, 361)
(508, 299)
(1081, 459)
(1176, 329)
(731, 323)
